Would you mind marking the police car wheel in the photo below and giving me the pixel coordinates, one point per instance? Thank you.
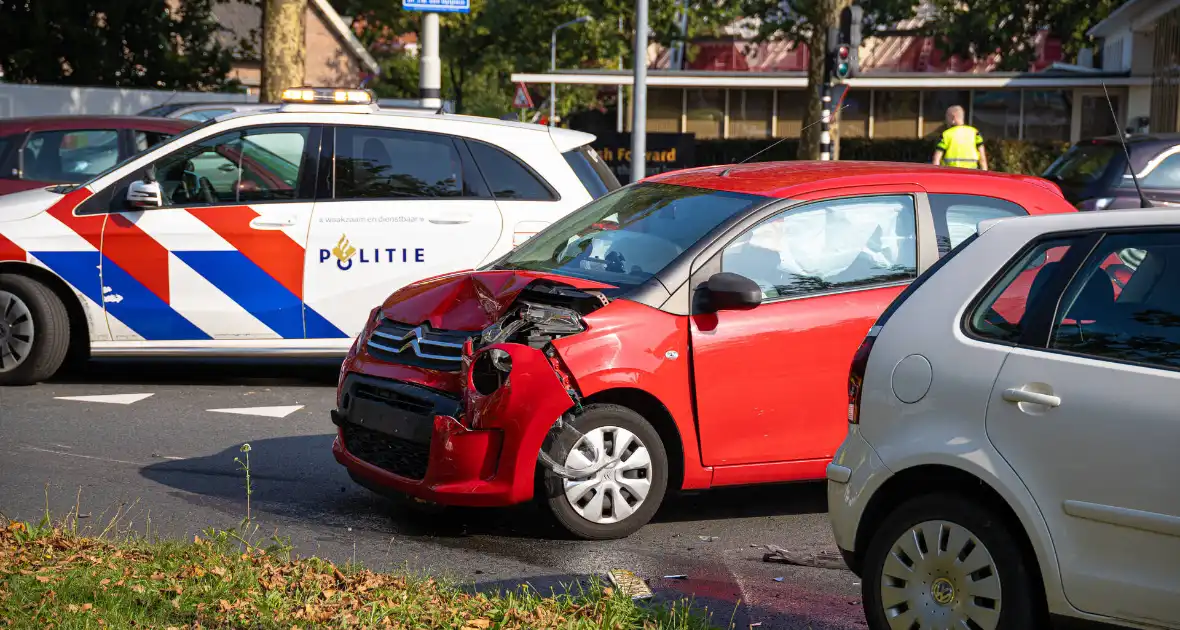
(620, 498)
(34, 331)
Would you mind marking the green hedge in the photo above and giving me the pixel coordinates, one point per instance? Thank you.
(1009, 156)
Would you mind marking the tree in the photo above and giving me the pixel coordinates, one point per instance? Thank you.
(170, 44)
(806, 22)
(283, 42)
(479, 50)
(1010, 27)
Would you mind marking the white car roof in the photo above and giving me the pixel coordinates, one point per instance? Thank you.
(1094, 219)
(564, 139)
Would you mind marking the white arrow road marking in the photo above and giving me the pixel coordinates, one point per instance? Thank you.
(266, 412)
(114, 399)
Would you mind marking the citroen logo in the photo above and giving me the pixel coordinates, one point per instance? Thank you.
(414, 339)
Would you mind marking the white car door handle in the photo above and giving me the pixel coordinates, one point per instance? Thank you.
(451, 221)
(272, 223)
(1017, 395)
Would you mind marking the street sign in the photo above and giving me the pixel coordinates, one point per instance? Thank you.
(438, 6)
(522, 100)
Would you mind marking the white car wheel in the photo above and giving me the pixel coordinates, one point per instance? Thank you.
(16, 331)
(940, 575)
(620, 486)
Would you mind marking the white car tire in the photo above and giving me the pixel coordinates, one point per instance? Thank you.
(942, 559)
(619, 500)
(34, 331)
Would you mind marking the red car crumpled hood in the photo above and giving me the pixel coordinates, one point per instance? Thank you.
(469, 300)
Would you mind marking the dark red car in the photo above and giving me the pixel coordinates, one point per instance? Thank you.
(42, 151)
(690, 331)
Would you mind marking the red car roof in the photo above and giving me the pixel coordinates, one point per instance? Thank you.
(793, 179)
(53, 123)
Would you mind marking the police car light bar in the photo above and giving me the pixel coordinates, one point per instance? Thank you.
(336, 96)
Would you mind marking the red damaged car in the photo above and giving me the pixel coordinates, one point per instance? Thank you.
(690, 331)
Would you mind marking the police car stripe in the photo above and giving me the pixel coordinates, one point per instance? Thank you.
(318, 327)
(11, 251)
(78, 269)
(271, 250)
(252, 288)
(138, 253)
(141, 309)
(209, 308)
(99, 322)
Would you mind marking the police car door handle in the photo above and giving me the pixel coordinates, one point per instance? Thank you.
(452, 221)
(272, 223)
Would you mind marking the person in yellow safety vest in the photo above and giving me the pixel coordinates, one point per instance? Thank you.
(960, 145)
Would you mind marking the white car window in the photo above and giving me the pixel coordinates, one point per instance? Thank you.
(829, 245)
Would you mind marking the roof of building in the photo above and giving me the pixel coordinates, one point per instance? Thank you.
(1134, 15)
(244, 23)
(796, 178)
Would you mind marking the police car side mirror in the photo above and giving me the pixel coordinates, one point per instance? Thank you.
(145, 194)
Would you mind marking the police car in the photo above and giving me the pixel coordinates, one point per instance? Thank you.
(273, 233)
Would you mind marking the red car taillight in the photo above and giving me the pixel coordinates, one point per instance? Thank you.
(856, 374)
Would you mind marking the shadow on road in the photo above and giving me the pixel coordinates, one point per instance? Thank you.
(316, 372)
(297, 477)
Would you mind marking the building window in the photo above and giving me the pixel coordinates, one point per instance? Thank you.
(934, 106)
(706, 113)
(749, 113)
(854, 114)
(791, 106)
(1165, 80)
(1096, 118)
(895, 115)
(664, 107)
(996, 114)
(1047, 114)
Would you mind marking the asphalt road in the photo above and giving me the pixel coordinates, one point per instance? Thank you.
(165, 464)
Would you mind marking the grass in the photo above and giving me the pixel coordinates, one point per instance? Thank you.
(53, 577)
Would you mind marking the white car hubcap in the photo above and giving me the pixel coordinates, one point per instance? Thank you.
(16, 331)
(939, 575)
(616, 491)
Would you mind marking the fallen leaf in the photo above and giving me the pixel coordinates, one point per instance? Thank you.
(158, 576)
(218, 571)
(43, 579)
(608, 591)
(87, 606)
(480, 623)
(104, 582)
(138, 588)
(73, 608)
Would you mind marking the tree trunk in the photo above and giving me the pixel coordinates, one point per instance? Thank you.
(828, 15)
(809, 138)
(283, 43)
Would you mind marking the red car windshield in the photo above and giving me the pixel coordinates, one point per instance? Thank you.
(626, 237)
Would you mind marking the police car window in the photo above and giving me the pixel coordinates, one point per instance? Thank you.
(255, 165)
(957, 217)
(507, 176)
(68, 156)
(828, 246)
(376, 163)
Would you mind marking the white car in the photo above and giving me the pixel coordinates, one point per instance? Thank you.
(273, 232)
(1012, 454)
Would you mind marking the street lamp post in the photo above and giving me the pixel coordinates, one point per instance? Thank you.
(553, 63)
(639, 95)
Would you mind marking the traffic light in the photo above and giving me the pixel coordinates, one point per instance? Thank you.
(844, 42)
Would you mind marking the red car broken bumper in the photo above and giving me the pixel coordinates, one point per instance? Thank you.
(395, 432)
